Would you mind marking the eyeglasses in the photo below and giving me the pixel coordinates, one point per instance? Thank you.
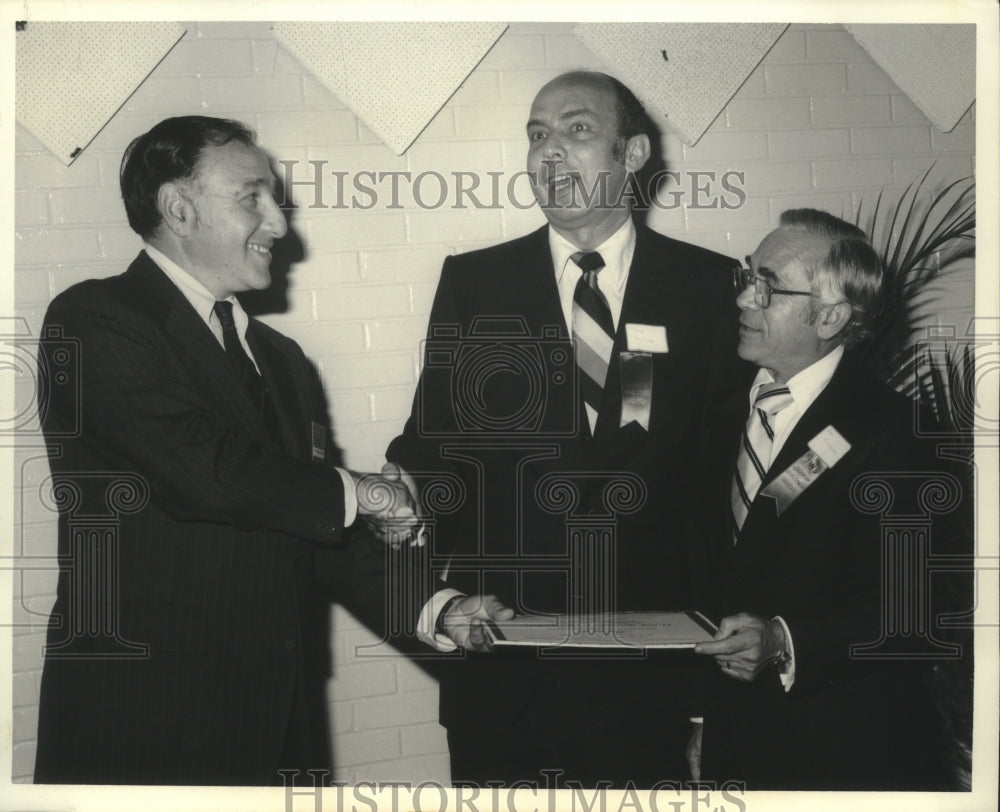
(762, 289)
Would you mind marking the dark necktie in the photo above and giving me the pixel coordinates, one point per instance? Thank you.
(593, 329)
(755, 450)
(252, 381)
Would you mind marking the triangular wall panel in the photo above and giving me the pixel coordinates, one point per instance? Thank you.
(72, 77)
(688, 71)
(393, 76)
(935, 65)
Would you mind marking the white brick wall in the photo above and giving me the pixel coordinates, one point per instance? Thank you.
(818, 123)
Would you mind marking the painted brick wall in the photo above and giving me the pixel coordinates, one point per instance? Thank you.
(817, 123)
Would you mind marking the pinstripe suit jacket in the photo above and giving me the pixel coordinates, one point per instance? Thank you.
(188, 620)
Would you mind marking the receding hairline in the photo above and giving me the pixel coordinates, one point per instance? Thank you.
(598, 80)
(810, 255)
(583, 78)
(268, 180)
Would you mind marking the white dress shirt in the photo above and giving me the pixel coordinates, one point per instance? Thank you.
(804, 387)
(616, 251)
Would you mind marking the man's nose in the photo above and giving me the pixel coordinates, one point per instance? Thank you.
(274, 218)
(747, 299)
(554, 147)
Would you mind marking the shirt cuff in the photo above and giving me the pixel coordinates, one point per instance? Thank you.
(788, 677)
(428, 620)
(350, 498)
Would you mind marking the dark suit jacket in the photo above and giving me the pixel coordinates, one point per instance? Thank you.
(188, 621)
(496, 405)
(848, 722)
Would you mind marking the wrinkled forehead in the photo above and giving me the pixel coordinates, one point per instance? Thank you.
(790, 253)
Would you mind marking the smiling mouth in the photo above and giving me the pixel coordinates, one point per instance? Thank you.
(260, 249)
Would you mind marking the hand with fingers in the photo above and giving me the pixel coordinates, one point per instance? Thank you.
(387, 504)
(464, 620)
(745, 645)
(393, 472)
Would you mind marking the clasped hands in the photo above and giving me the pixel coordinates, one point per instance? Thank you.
(745, 645)
(390, 505)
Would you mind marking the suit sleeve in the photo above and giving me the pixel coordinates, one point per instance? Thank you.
(433, 412)
(432, 417)
(139, 408)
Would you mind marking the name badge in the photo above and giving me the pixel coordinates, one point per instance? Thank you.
(825, 450)
(646, 337)
(318, 441)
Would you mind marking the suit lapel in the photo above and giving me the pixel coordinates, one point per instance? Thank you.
(536, 282)
(285, 396)
(195, 344)
(650, 298)
(833, 407)
(533, 282)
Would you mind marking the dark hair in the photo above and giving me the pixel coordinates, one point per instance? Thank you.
(170, 151)
(631, 114)
(851, 266)
(632, 119)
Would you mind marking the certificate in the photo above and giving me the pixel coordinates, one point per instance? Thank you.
(630, 630)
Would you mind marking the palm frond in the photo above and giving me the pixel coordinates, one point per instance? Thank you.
(920, 238)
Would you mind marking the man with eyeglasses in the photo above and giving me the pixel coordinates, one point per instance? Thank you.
(797, 566)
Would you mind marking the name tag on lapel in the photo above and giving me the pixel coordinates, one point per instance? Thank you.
(646, 337)
(318, 441)
(825, 450)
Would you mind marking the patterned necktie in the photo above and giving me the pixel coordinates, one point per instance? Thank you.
(248, 373)
(593, 329)
(755, 450)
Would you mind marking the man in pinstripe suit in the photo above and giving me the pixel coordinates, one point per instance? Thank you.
(187, 644)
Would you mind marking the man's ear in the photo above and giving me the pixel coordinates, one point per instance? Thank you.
(832, 319)
(636, 152)
(176, 209)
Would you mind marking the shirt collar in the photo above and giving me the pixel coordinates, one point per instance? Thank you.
(806, 385)
(200, 297)
(616, 251)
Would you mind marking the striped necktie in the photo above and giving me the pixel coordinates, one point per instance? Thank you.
(755, 450)
(593, 329)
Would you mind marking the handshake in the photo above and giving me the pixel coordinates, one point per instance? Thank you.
(390, 505)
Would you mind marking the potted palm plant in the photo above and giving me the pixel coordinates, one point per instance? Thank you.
(922, 238)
